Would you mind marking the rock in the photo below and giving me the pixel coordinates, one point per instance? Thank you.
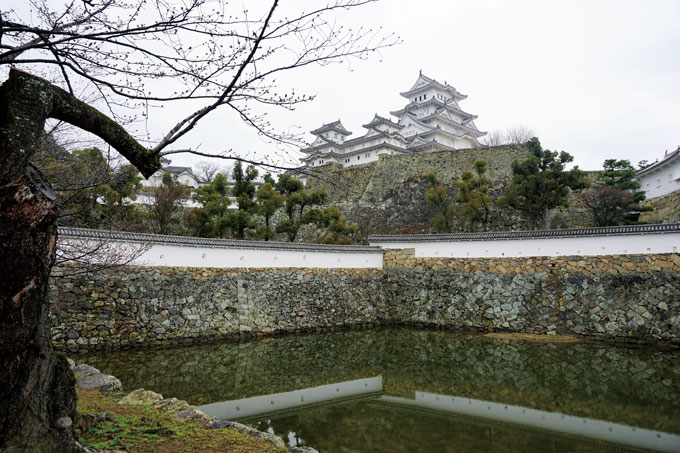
(71, 364)
(101, 382)
(193, 414)
(301, 449)
(141, 397)
(219, 424)
(172, 405)
(276, 440)
(90, 420)
(84, 370)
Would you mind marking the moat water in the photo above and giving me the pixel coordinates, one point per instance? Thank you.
(410, 390)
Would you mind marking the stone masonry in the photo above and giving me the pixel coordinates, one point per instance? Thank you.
(623, 298)
(666, 209)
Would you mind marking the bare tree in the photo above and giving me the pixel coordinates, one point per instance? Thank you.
(134, 55)
(201, 51)
(206, 171)
(79, 256)
(515, 135)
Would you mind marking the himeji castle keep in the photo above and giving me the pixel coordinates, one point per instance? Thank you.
(431, 121)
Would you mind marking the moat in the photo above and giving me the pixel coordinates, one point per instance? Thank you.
(403, 389)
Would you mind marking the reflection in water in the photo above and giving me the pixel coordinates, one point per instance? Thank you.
(278, 402)
(629, 386)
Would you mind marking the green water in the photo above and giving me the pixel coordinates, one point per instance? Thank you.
(402, 389)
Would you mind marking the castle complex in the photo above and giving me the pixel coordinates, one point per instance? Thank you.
(431, 121)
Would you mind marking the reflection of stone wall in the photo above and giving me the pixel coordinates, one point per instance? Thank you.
(635, 386)
(666, 209)
(620, 297)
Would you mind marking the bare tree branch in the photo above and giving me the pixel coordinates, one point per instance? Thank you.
(204, 50)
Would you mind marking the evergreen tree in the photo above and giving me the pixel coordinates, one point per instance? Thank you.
(168, 200)
(438, 195)
(473, 194)
(268, 202)
(337, 230)
(616, 199)
(91, 192)
(209, 220)
(541, 183)
(240, 221)
(296, 200)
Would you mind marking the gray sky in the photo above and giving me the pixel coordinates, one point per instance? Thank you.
(598, 79)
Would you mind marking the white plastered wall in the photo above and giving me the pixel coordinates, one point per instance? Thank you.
(222, 257)
(509, 248)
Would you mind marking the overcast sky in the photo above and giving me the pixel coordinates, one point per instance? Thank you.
(598, 79)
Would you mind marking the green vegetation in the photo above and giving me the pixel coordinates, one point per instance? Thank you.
(616, 199)
(210, 219)
(473, 194)
(541, 183)
(239, 222)
(168, 201)
(268, 202)
(296, 199)
(96, 193)
(93, 192)
(146, 429)
(438, 195)
(336, 229)
(471, 202)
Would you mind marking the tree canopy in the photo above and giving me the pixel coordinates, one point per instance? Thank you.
(542, 182)
(473, 194)
(616, 199)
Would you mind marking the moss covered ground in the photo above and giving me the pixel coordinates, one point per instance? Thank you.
(146, 429)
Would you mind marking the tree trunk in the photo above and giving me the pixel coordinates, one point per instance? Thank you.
(545, 223)
(37, 388)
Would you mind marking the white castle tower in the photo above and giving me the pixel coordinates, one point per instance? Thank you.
(431, 121)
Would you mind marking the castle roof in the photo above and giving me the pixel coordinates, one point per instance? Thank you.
(334, 126)
(668, 158)
(424, 83)
(377, 119)
(449, 105)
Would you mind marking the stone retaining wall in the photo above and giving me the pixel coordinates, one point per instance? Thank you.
(136, 306)
(666, 209)
(633, 298)
(388, 196)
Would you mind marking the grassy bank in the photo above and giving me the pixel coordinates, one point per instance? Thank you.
(105, 424)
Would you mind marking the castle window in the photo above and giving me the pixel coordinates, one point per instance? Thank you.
(358, 157)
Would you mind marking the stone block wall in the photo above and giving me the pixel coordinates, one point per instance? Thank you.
(135, 306)
(666, 209)
(632, 298)
(388, 196)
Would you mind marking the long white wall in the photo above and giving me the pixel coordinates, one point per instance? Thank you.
(245, 256)
(553, 246)
(173, 255)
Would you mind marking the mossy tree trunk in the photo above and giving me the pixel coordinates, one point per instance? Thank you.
(37, 393)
